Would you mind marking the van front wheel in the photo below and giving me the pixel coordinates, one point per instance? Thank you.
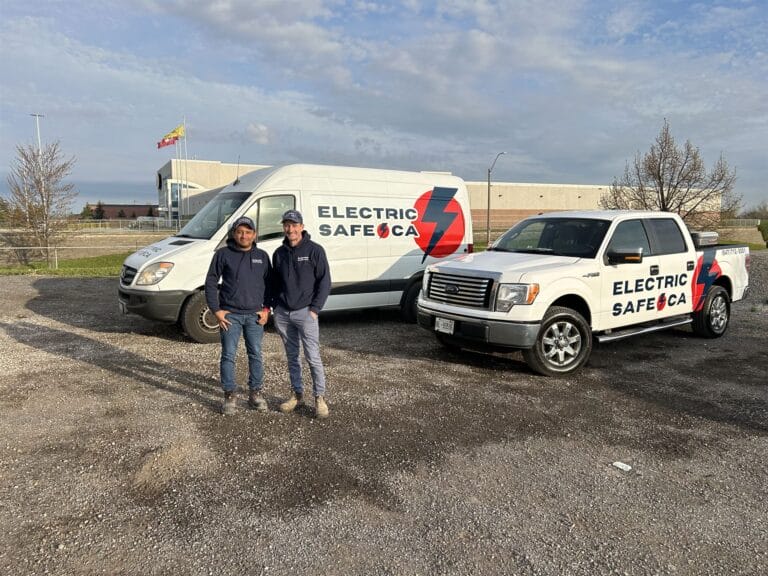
(197, 320)
(563, 344)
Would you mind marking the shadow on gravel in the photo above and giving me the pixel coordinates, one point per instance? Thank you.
(119, 362)
(92, 303)
(673, 370)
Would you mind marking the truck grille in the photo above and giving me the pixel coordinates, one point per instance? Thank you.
(127, 274)
(460, 290)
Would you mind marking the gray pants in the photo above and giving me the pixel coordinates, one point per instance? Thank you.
(298, 328)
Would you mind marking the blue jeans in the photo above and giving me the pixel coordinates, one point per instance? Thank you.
(248, 325)
(298, 328)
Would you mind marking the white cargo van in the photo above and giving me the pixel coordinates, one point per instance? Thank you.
(379, 228)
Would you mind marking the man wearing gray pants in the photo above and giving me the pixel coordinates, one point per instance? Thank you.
(302, 283)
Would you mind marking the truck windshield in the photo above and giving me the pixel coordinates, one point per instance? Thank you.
(213, 215)
(578, 237)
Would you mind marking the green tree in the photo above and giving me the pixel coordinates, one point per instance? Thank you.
(98, 212)
(673, 179)
(151, 211)
(121, 213)
(39, 197)
(87, 212)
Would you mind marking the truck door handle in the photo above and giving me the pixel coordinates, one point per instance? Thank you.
(654, 270)
(689, 265)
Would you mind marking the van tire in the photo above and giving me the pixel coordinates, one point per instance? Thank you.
(197, 320)
(410, 302)
(550, 356)
(712, 320)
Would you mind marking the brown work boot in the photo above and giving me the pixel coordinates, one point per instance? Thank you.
(228, 406)
(321, 408)
(292, 403)
(256, 401)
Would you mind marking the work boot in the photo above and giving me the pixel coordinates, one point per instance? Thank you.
(228, 406)
(292, 403)
(256, 401)
(321, 408)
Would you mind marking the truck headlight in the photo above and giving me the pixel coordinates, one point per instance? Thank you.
(510, 294)
(424, 283)
(153, 273)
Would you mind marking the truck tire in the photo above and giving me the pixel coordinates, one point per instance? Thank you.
(409, 307)
(712, 320)
(197, 320)
(563, 344)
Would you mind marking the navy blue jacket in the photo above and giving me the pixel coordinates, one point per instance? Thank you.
(301, 276)
(246, 280)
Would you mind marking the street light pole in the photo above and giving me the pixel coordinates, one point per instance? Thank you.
(488, 204)
(39, 160)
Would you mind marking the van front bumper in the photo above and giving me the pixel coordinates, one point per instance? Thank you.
(483, 333)
(161, 306)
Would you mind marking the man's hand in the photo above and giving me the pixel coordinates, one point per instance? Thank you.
(221, 316)
(263, 316)
(313, 314)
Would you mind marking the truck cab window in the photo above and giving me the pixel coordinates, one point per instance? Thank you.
(669, 239)
(630, 235)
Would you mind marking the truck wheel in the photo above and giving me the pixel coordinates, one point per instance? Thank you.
(712, 320)
(410, 303)
(198, 321)
(563, 344)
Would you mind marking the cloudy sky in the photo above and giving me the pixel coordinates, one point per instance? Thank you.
(569, 89)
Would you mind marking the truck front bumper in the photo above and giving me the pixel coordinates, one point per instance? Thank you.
(483, 333)
(161, 306)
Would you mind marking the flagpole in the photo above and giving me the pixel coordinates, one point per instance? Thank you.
(186, 158)
(178, 185)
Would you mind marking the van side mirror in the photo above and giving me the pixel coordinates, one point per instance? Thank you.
(625, 256)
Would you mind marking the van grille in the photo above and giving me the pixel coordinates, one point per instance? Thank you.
(127, 274)
(460, 290)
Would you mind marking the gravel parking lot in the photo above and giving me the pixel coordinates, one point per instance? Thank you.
(115, 459)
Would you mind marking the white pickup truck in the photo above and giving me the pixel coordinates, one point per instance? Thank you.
(553, 282)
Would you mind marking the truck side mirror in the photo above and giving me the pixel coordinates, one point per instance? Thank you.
(625, 256)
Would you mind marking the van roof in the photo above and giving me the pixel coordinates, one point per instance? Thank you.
(251, 180)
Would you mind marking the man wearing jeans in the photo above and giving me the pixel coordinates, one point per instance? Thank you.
(238, 304)
(302, 283)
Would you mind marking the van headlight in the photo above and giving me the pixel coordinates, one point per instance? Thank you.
(153, 273)
(510, 294)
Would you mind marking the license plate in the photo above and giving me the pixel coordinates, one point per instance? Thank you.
(444, 325)
(121, 307)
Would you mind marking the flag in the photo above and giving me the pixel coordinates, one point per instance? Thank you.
(167, 141)
(172, 137)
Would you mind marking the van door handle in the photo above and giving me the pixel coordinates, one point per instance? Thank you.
(689, 265)
(654, 270)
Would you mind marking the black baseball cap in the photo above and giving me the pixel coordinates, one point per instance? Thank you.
(293, 216)
(244, 221)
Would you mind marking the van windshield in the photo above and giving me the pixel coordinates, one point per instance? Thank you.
(213, 215)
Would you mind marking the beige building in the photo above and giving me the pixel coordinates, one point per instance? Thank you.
(513, 201)
(180, 180)
(510, 201)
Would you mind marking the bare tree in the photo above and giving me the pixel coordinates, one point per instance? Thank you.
(673, 179)
(39, 198)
